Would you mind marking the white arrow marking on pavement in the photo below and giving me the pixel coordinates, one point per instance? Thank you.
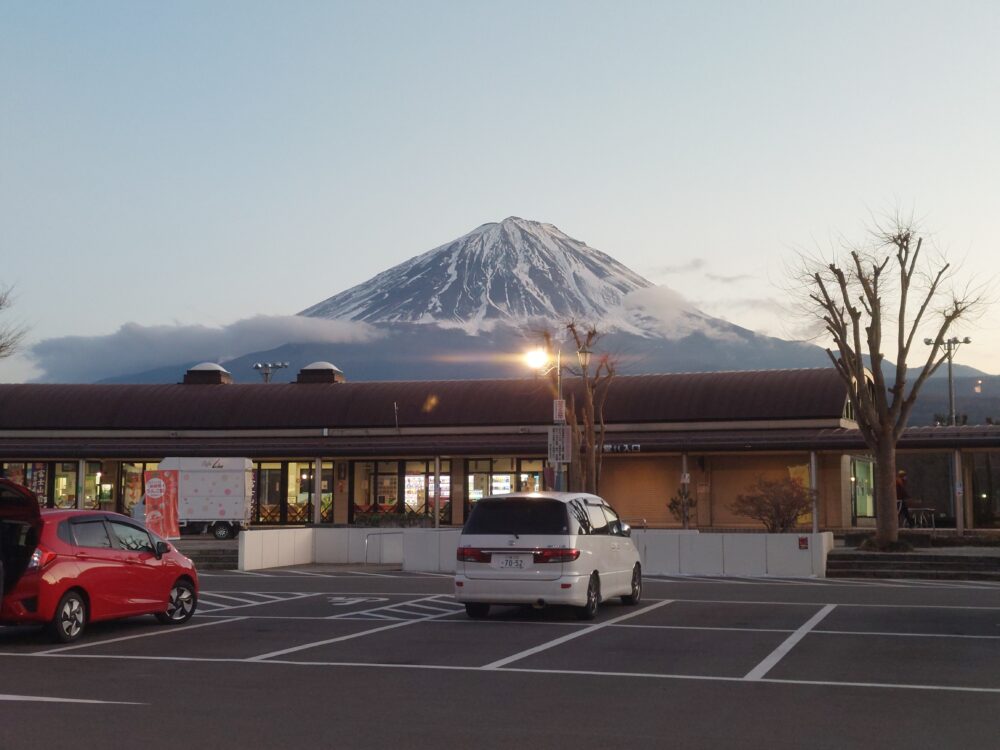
(44, 699)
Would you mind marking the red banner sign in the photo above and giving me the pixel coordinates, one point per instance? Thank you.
(161, 503)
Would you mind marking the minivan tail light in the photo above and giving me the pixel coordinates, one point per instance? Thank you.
(40, 558)
(473, 554)
(556, 555)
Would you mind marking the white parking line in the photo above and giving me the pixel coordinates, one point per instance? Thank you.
(294, 649)
(271, 597)
(357, 612)
(291, 598)
(895, 634)
(162, 631)
(45, 699)
(454, 608)
(301, 572)
(558, 641)
(214, 594)
(839, 604)
(781, 651)
(375, 575)
(567, 672)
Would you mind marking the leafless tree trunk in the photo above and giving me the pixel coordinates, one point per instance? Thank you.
(585, 416)
(10, 336)
(884, 296)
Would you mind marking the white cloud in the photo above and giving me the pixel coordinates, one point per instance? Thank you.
(136, 348)
(669, 314)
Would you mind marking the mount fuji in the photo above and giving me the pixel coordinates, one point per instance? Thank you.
(519, 273)
(465, 308)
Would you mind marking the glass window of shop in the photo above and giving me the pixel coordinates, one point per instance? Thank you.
(386, 486)
(64, 484)
(300, 492)
(501, 476)
(326, 493)
(530, 475)
(418, 485)
(929, 479)
(445, 502)
(985, 469)
(96, 487)
(269, 484)
(132, 482)
(32, 474)
(299, 497)
(376, 487)
(862, 488)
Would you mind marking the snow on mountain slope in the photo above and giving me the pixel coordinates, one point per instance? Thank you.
(511, 271)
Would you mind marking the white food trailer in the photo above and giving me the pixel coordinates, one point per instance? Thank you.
(213, 494)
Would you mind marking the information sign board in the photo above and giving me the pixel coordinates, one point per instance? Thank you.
(559, 444)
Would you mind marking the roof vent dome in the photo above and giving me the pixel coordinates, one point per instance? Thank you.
(208, 373)
(209, 366)
(320, 372)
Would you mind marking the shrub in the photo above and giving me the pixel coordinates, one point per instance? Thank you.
(682, 505)
(776, 503)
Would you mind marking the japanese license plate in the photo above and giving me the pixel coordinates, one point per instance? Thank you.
(513, 562)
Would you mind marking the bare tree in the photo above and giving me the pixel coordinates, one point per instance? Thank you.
(881, 297)
(776, 503)
(585, 416)
(10, 335)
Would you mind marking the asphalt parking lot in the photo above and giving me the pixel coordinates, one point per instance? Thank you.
(333, 657)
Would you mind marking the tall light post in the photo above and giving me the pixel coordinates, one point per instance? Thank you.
(267, 368)
(541, 360)
(950, 346)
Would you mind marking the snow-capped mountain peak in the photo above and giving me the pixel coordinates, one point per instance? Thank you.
(511, 271)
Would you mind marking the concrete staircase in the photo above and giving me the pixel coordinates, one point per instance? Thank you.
(929, 565)
(210, 555)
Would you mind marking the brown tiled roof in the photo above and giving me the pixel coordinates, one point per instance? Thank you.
(685, 397)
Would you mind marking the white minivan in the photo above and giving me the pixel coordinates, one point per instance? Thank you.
(544, 548)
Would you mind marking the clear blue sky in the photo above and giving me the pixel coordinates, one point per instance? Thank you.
(197, 163)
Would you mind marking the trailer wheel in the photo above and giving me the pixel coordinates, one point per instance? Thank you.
(222, 531)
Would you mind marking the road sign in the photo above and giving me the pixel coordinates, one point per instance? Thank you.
(559, 410)
(559, 444)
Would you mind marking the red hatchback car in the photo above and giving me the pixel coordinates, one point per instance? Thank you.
(67, 568)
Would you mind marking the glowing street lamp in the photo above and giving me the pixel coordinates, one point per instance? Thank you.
(541, 360)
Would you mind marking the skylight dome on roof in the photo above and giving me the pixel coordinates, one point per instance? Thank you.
(322, 365)
(204, 366)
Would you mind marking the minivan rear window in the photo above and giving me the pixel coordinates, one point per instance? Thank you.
(518, 516)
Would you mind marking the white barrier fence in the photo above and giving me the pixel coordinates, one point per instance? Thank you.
(663, 552)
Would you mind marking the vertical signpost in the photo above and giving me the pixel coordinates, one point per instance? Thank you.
(559, 441)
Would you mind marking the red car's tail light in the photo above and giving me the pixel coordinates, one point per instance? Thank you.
(556, 555)
(40, 558)
(473, 554)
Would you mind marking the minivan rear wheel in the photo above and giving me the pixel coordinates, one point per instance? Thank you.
(222, 531)
(589, 610)
(636, 594)
(70, 618)
(477, 610)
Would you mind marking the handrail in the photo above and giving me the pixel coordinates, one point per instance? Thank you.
(381, 547)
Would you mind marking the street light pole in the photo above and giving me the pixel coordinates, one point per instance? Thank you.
(950, 346)
(955, 470)
(266, 369)
(559, 398)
